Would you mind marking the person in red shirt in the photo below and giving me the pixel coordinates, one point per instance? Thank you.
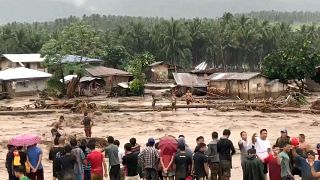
(273, 161)
(98, 164)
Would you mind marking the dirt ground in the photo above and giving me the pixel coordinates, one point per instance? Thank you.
(143, 125)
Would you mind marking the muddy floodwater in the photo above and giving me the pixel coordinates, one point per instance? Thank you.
(142, 125)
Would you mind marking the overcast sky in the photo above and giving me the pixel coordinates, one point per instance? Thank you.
(42, 10)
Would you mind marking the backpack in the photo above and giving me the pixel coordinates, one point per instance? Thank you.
(16, 158)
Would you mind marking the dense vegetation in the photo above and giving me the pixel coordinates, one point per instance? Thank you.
(230, 42)
(289, 17)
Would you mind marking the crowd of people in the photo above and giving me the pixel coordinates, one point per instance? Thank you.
(86, 159)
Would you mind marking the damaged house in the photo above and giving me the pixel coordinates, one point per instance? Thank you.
(23, 81)
(249, 85)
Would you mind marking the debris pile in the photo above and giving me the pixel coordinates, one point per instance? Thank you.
(316, 105)
(291, 102)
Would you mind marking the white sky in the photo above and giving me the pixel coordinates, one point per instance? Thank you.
(41, 10)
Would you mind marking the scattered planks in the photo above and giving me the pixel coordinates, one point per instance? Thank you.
(36, 111)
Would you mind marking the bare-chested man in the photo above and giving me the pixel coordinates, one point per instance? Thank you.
(56, 127)
(189, 98)
(154, 100)
(173, 101)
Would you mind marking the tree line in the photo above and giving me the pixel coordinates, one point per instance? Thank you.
(289, 17)
(232, 42)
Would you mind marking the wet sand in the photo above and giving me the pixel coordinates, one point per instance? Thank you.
(191, 123)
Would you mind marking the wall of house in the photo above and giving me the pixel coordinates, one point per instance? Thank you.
(113, 81)
(25, 87)
(276, 89)
(31, 85)
(5, 64)
(218, 87)
(257, 87)
(312, 85)
(244, 89)
(160, 72)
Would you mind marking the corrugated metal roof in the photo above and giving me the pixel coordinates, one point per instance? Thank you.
(273, 82)
(22, 73)
(75, 59)
(201, 66)
(86, 78)
(189, 80)
(100, 71)
(24, 58)
(156, 63)
(124, 85)
(232, 76)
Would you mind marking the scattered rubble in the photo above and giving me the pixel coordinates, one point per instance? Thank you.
(316, 105)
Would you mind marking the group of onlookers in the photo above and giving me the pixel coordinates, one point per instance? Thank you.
(85, 159)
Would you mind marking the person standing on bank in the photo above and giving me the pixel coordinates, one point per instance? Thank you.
(226, 150)
(213, 156)
(88, 123)
(149, 157)
(262, 145)
(111, 152)
(244, 145)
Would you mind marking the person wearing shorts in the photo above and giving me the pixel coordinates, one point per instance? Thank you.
(189, 98)
(88, 123)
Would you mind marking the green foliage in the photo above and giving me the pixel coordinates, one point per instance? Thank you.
(137, 86)
(232, 42)
(296, 61)
(55, 87)
(77, 39)
(138, 67)
(115, 56)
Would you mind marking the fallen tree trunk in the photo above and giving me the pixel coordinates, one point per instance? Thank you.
(26, 112)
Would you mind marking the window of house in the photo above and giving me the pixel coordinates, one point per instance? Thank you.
(27, 65)
(22, 83)
(259, 87)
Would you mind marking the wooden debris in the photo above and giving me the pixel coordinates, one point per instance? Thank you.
(315, 105)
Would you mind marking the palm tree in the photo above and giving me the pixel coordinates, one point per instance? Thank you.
(197, 40)
(175, 40)
(246, 38)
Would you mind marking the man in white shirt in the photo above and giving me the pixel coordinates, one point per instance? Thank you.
(262, 145)
(244, 145)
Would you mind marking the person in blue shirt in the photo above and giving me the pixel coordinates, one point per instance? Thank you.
(305, 164)
(34, 156)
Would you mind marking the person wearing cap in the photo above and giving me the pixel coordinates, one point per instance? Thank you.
(149, 157)
(306, 165)
(200, 168)
(283, 139)
(182, 141)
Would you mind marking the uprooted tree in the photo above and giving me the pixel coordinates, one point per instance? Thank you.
(77, 39)
(294, 62)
